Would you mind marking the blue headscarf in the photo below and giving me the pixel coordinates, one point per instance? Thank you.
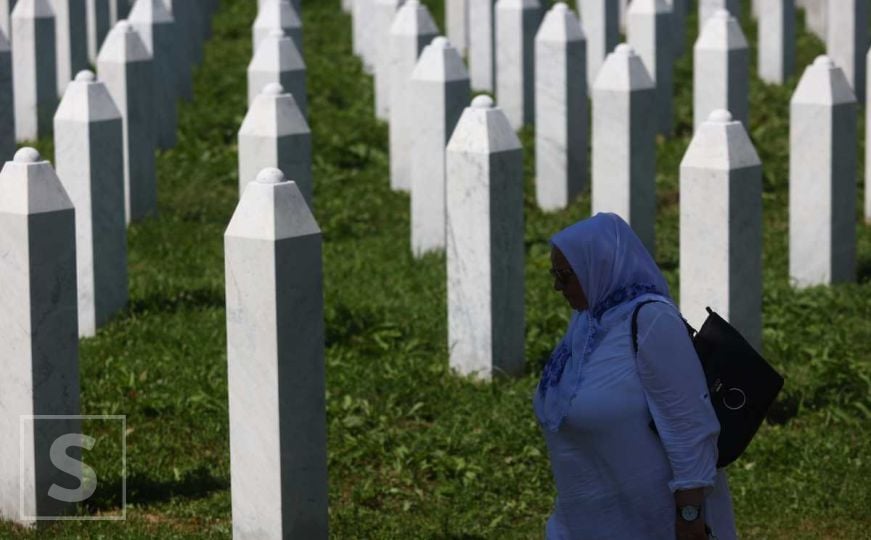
(615, 271)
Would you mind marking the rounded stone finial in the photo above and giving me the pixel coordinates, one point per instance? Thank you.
(26, 155)
(721, 13)
(270, 175)
(560, 7)
(720, 116)
(273, 89)
(277, 33)
(440, 42)
(124, 26)
(824, 61)
(482, 102)
(85, 75)
(625, 49)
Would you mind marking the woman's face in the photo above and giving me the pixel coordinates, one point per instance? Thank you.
(565, 280)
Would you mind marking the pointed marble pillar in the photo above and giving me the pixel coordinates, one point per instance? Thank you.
(624, 143)
(847, 40)
(440, 90)
(560, 109)
(816, 14)
(277, 60)
(457, 23)
(650, 31)
(707, 8)
(412, 30)
(516, 24)
(275, 364)
(125, 66)
(155, 25)
(275, 134)
(363, 26)
(678, 21)
(71, 33)
(482, 57)
(89, 155)
(484, 228)
(600, 20)
(98, 25)
(181, 15)
(6, 7)
(822, 177)
(34, 67)
(776, 40)
(38, 333)
(7, 105)
(721, 70)
(721, 227)
(385, 11)
(277, 15)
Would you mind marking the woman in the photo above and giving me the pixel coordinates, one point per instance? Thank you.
(616, 477)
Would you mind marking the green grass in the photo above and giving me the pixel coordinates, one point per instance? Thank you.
(415, 452)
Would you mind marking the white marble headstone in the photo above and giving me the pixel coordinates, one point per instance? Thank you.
(457, 23)
(277, 60)
(650, 32)
(385, 12)
(624, 143)
(98, 25)
(516, 25)
(38, 334)
(89, 156)
(71, 33)
(181, 14)
(561, 112)
(275, 134)
(721, 70)
(776, 59)
(482, 57)
(125, 67)
(277, 15)
(155, 25)
(601, 23)
(707, 9)
(412, 30)
(275, 364)
(721, 227)
(822, 177)
(847, 40)
(440, 91)
(485, 254)
(34, 68)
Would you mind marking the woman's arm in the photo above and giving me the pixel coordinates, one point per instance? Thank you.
(674, 386)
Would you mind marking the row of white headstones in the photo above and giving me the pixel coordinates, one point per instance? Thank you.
(463, 167)
(63, 247)
(64, 269)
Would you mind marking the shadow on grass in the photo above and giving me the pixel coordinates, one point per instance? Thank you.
(863, 269)
(182, 300)
(141, 490)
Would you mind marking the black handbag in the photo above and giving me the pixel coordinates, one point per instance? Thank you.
(741, 384)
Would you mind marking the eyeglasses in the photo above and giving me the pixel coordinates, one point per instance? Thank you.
(561, 274)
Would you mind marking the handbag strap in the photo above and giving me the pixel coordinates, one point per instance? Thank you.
(690, 329)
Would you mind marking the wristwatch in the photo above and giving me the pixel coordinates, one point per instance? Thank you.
(689, 513)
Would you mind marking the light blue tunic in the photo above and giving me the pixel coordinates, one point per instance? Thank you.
(614, 476)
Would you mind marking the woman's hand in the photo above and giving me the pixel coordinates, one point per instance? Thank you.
(690, 531)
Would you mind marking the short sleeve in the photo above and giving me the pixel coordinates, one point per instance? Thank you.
(676, 393)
